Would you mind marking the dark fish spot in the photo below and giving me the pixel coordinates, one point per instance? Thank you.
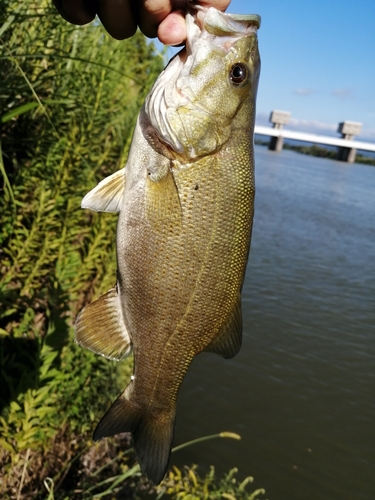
(196, 187)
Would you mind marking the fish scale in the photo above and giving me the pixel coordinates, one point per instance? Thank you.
(185, 201)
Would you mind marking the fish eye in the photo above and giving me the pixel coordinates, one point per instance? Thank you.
(239, 73)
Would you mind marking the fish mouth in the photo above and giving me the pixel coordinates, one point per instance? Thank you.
(220, 23)
(215, 31)
(160, 100)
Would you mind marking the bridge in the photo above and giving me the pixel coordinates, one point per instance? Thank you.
(347, 146)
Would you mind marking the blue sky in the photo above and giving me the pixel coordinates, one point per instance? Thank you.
(318, 62)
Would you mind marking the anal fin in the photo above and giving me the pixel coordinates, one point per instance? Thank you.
(100, 327)
(229, 339)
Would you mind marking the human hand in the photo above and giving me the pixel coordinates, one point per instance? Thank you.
(162, 18)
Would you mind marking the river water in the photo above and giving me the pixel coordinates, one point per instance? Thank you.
(301, 393)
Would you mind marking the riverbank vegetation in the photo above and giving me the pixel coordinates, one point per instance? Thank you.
(69, 100)
(319, 151)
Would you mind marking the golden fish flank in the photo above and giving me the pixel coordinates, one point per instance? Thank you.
(185, 201)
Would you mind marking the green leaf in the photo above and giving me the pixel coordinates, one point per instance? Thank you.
(18, 111)
(7, 446)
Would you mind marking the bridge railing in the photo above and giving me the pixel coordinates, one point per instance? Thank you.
(347, 147)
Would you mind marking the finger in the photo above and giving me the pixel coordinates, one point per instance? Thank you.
(117, 17)
(218, 4)
(151, 14)
(76, 11)
(172, 30)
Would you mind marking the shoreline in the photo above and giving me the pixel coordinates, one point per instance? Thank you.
(319, 151)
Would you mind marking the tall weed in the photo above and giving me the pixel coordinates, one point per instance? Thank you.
(69, 97)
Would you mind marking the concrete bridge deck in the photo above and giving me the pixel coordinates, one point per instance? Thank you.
(314, 138)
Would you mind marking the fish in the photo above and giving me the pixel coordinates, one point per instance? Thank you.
(185, 204)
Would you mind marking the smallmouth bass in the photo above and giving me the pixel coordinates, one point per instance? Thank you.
(185, 201)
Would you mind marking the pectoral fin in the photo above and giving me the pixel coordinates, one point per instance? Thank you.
(107, 195)
(228, 342)
(100, 327)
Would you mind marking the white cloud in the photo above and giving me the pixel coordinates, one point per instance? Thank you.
(312, 126)
(263, 119)
(367, 134)
(304, 92)
(343, 94)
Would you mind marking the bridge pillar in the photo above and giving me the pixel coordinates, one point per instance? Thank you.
(279, 119)
(348, 130)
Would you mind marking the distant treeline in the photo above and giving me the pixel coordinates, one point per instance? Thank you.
(315, 150)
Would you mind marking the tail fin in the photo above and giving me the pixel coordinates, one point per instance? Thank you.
(152, 434)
